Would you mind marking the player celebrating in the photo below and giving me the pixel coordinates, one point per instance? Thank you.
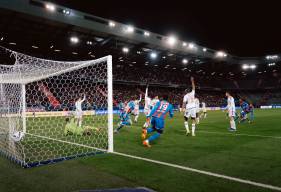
(78, 111)
(156, 117)
(204, 109)
(231, 111)
(190, 108)
(197, 105)
(147, 101)
(137, 109)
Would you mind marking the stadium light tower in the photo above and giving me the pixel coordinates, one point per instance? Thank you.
(50, 7)
(74, 40)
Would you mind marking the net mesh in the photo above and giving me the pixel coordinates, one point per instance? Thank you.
(52, 110)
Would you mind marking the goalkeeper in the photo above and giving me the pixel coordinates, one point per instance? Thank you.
(71, 128)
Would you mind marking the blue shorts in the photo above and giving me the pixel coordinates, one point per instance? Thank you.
(157, 124)
(125, 123)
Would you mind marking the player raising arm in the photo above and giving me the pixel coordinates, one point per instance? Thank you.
(231, 111)
(147, 101)
(190, 108)
(137, 109)
(156, 117)
(78, 111)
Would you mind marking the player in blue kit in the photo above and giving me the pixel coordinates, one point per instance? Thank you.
(245, 110)
(251, 111)
(157, 117)
(125, 116)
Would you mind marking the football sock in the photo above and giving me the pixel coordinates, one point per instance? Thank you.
(193, 128)
(232, 124)
(154, 136)
(186, 126)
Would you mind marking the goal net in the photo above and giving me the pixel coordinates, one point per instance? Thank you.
(52, 110)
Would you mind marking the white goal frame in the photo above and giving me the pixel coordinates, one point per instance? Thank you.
(24, 79)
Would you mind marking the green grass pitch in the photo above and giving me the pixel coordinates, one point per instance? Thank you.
(245, 154)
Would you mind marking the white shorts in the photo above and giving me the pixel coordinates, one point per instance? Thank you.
(146, 111)
(190, 113)
(204, 110)
(136, 111)
(231, 112)
(78, 114)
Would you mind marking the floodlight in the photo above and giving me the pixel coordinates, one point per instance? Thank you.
(184, 61)
(204, 49)
(66, 12)
(147, 34)
(191, 45)
(153, 55)
(50, 7)
(74, 39)
(172, 40)
(125, 49)
(111, 24)
(129, 29)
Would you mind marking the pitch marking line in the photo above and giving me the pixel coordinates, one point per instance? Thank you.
(202, 172)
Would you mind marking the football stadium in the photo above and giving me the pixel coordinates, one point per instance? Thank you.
(139, 96)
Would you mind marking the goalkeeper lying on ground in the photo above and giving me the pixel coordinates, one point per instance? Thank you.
(71, 128)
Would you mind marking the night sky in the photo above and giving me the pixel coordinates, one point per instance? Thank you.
(242, 29)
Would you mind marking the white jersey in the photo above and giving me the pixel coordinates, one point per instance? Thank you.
(153, 103)
(137, 104)
(230, 103)
(197, 105)
(78, 104)
(189, 99)
(147, 102)
(203, 105)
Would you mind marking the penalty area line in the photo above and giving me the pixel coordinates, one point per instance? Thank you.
(235, 179)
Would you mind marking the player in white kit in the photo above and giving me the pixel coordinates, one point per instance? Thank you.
(197, 105)
(147, 101)
(149, 104)
(204, 110)
(190, 108)
(78, 110)
(137, 109)
(231, 111)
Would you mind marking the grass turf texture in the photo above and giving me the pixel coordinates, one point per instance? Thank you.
(253, 158)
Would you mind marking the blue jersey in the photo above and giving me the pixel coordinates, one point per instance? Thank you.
(245, 106)
(124, 116)
(121, 106)
(161, 109)
(130, 106)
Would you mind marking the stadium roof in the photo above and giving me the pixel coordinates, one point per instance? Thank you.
(104, 31)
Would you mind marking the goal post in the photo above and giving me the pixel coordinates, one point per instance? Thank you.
(54, 110)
